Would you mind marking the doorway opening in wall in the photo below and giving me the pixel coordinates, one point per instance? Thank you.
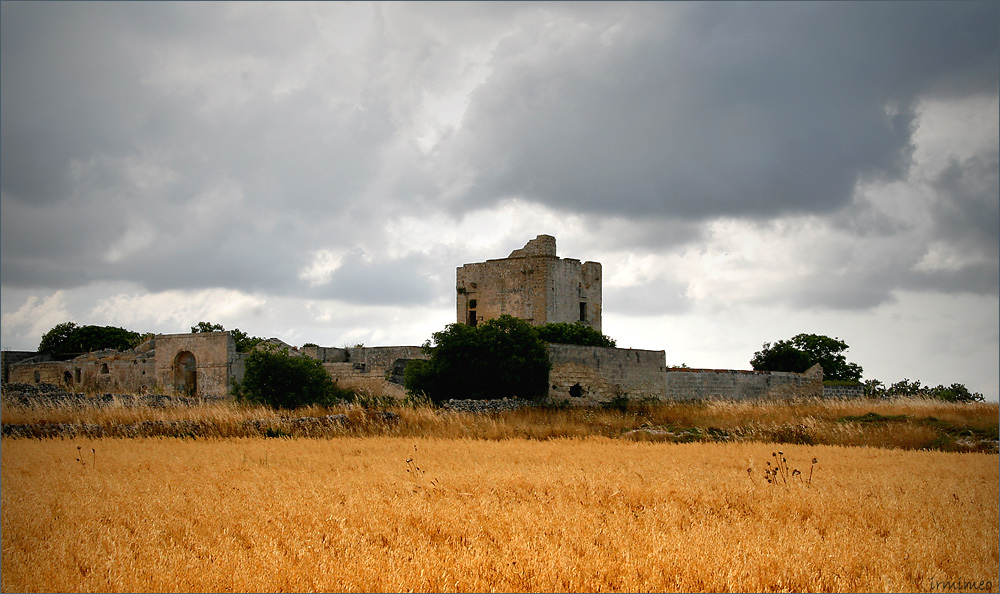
(576, 391)
(185, 374)
(67, 378)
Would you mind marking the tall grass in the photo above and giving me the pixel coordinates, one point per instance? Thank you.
(432, 514)
(902, 423)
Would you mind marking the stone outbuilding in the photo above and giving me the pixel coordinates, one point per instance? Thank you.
(197, 364)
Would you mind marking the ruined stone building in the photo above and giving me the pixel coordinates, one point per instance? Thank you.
(199, 364)
(533, 284)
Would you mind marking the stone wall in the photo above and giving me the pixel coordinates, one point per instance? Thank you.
(592, 375)
(215, 363)
(98, 372)
(690, 384)
(532, 284)
(8, 358)
(843, 391)
(377, 370)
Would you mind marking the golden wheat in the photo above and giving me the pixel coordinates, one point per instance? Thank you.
(399, 514)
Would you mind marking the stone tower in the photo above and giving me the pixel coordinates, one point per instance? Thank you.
(533, 284)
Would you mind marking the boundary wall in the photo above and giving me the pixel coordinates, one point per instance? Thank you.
(692, 384)
(592, 375)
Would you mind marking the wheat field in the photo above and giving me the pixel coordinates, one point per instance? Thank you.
(430, 514)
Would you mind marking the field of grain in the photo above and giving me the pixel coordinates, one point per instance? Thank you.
(392, 513)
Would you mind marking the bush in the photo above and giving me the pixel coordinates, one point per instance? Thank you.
(499, 358)
(280, 380)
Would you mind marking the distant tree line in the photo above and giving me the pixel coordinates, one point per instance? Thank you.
(803, 351)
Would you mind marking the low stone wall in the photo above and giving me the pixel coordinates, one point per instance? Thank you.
(693, 384)
(592, 375)
(51, 395)
(857, 391)
(488, 406)
(8, 358)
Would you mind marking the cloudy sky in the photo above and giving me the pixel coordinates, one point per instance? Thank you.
(316, 172)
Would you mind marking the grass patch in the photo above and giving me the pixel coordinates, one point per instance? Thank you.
(905, 423)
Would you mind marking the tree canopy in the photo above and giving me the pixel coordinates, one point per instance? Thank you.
(565, 333)
(499, 358)
(803, 351)
(244, 342)
(69, 340)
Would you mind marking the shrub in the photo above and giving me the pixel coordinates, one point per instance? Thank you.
(913, 388)
(499, 358)
(280, 380)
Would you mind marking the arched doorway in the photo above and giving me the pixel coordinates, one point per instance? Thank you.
(185, 374)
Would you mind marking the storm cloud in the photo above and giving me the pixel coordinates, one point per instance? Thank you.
(325, 167)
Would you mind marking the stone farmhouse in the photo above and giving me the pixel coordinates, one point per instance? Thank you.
(532, 283)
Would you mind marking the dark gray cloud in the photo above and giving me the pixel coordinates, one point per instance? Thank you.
(190, 146)
(719, 109)
(403, 281)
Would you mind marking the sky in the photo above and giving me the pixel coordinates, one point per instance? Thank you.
(744, 172)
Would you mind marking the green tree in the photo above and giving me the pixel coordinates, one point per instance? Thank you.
(56, 341)
(280, 380)
(499, 358)
(803, 351)
(244, 342)
(207, 327)
(565, 333)
(68, 339)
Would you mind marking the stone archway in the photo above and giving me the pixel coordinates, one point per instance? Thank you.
(185, 374)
